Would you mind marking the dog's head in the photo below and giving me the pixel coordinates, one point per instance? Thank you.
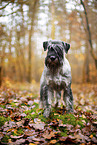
(55, 53)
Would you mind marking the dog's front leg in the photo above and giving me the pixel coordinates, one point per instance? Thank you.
(58, 97)
(49, 102)
(50, 98)
(68, 99)
(46, 99)
(43, 96)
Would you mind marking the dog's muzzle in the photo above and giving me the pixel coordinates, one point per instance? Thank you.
(54, 57)
(52, 61)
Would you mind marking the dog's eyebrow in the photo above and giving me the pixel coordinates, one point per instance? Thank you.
(59, 46)
(53, 46)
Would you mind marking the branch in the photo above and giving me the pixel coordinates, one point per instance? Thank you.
(9, 14)
(4, 6)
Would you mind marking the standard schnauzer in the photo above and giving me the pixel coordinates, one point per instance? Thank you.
(55, 77)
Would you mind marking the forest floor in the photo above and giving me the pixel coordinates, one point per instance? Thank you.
(22, 122)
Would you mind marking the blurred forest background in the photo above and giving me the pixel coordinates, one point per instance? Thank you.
(25, 24)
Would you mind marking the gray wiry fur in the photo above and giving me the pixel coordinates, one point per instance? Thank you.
(56, 79)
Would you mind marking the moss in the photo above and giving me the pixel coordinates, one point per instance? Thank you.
(23, 104)
(18, 132)
(57, 144)
(67, 119)
(32, 110)
(36, 105)
(79, 122)
(89, 111)
(31, 116)
(28, 111)
(13, 104)
(63, 134)
(3, 106)
(63, 131)
(5, 139)
(3, 120)
(43, 119)
(33, 113)
(94, 134)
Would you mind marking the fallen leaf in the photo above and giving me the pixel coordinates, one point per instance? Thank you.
(95, 123)
(94, 139)
(23, 115)
(48, 135)
(16, 137)
(20, 123)
(32, 144)
(26, 122)
(29, 132)
(19, 141)
(91, 136)
(31, 103)
(1, 135)
(83, 116)
(66, 140)
(53, 141)
(37, 126)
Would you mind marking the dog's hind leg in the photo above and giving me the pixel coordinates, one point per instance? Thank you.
(57, 97)
(68, 99)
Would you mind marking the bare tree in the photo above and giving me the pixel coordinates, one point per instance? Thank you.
(53, 20)
(32, 14)
(89, 34)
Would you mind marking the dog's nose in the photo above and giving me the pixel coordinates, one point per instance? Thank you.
(52, 58)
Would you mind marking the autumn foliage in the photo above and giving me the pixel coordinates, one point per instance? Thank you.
(22, 122)
(25, 24)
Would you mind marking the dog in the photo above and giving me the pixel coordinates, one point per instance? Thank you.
(56, 77)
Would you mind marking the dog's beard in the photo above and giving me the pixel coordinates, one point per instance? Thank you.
(53, 65)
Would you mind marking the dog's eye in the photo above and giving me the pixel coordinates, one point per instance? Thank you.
(59, 51)
(48, 47)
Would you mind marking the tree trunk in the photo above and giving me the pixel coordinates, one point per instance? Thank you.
(87, 66)
(89, 34)
(22, 48)
(53, 21)
(32, 12)
(29, 53)
(20, 76)
(0, 76)
(86, 70)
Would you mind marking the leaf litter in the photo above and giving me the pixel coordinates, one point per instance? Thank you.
(22, 122)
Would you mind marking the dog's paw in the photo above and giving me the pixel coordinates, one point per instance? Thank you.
(70, 111)
(47, 112)
(40, 105)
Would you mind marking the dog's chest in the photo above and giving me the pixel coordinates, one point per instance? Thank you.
(55, 81)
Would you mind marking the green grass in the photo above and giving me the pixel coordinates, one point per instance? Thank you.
(66, 119)
(33, 113)
(31, 116)
(5, 139)
(64, 133)
(3, 106)
(3, 120)
(13, 104)
(18, 132)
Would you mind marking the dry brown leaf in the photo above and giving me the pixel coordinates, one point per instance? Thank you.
(49, 136)
(53, 141)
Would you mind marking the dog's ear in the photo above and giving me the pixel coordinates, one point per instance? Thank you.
(45, 45)
(66, 46)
